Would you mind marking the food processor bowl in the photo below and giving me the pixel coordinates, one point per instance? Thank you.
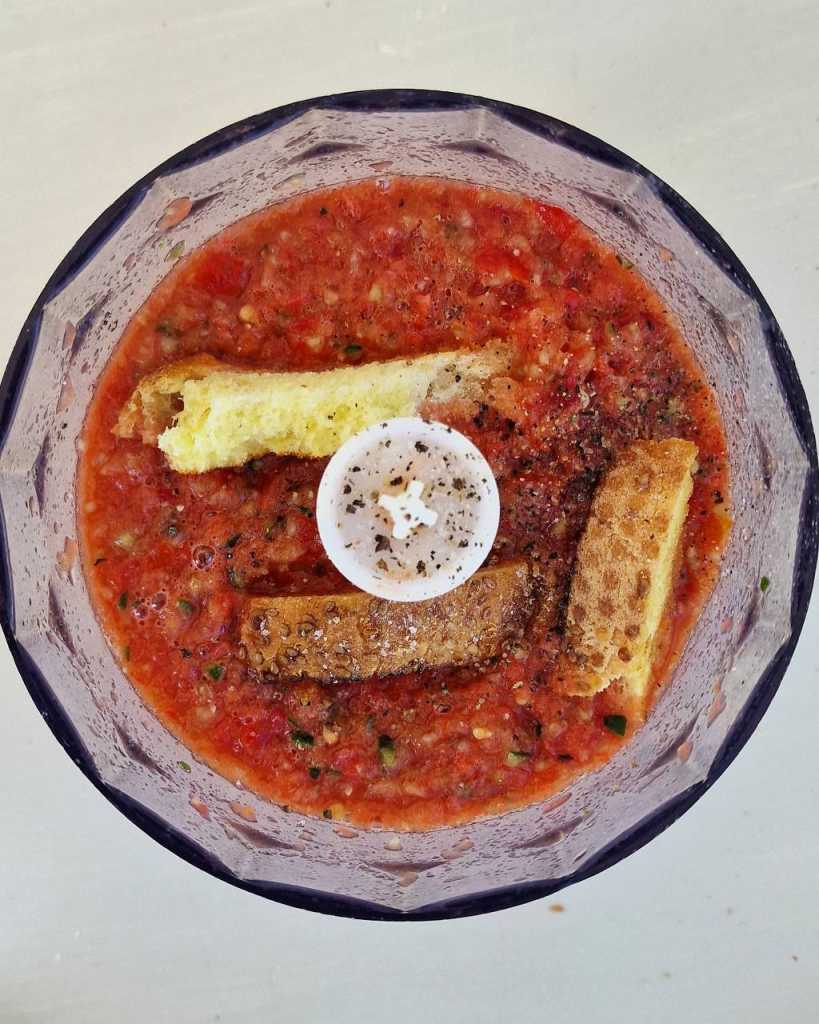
(734, 658)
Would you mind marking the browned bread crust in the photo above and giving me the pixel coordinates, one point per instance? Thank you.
(356, 636)
(625, 566)
(154, 401)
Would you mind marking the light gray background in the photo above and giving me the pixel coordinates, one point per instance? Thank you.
(716, 920)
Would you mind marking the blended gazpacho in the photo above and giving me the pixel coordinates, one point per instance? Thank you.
(579, 382)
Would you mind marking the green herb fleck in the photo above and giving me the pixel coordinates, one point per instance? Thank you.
(185, 606)
(215, 672)
(231, 542)
(305, 511)
(314, 772)
(327, 813)
(235, 579)
(616, 724)
(301, 739)
(184, 766)
(764, 583)
(270, 529)
(517, 757)
(626, 264)
(353, 351)
(386, 751)
(169, 331)
(175, 252)
(172, 530)
(186, 653)
(123, 599)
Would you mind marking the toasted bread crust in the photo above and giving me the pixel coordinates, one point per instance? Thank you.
(625, 566)
(356, 636)
(150, 409)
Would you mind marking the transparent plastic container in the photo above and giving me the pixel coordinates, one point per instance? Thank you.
(731, 666)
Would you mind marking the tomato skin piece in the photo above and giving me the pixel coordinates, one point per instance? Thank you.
(255, 733)
(572, 299)
(494, 259)
(223, 273)
(556, 221)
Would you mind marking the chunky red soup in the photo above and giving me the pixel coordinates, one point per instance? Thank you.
(371, 271)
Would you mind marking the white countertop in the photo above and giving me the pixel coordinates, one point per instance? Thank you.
(715, 920)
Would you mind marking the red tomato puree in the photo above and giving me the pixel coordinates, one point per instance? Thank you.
(371, 271)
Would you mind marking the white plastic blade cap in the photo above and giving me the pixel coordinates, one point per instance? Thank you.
(408, 509)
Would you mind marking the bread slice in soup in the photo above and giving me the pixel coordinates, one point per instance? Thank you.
(625, 567)
(355, 636)
(205, 414)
